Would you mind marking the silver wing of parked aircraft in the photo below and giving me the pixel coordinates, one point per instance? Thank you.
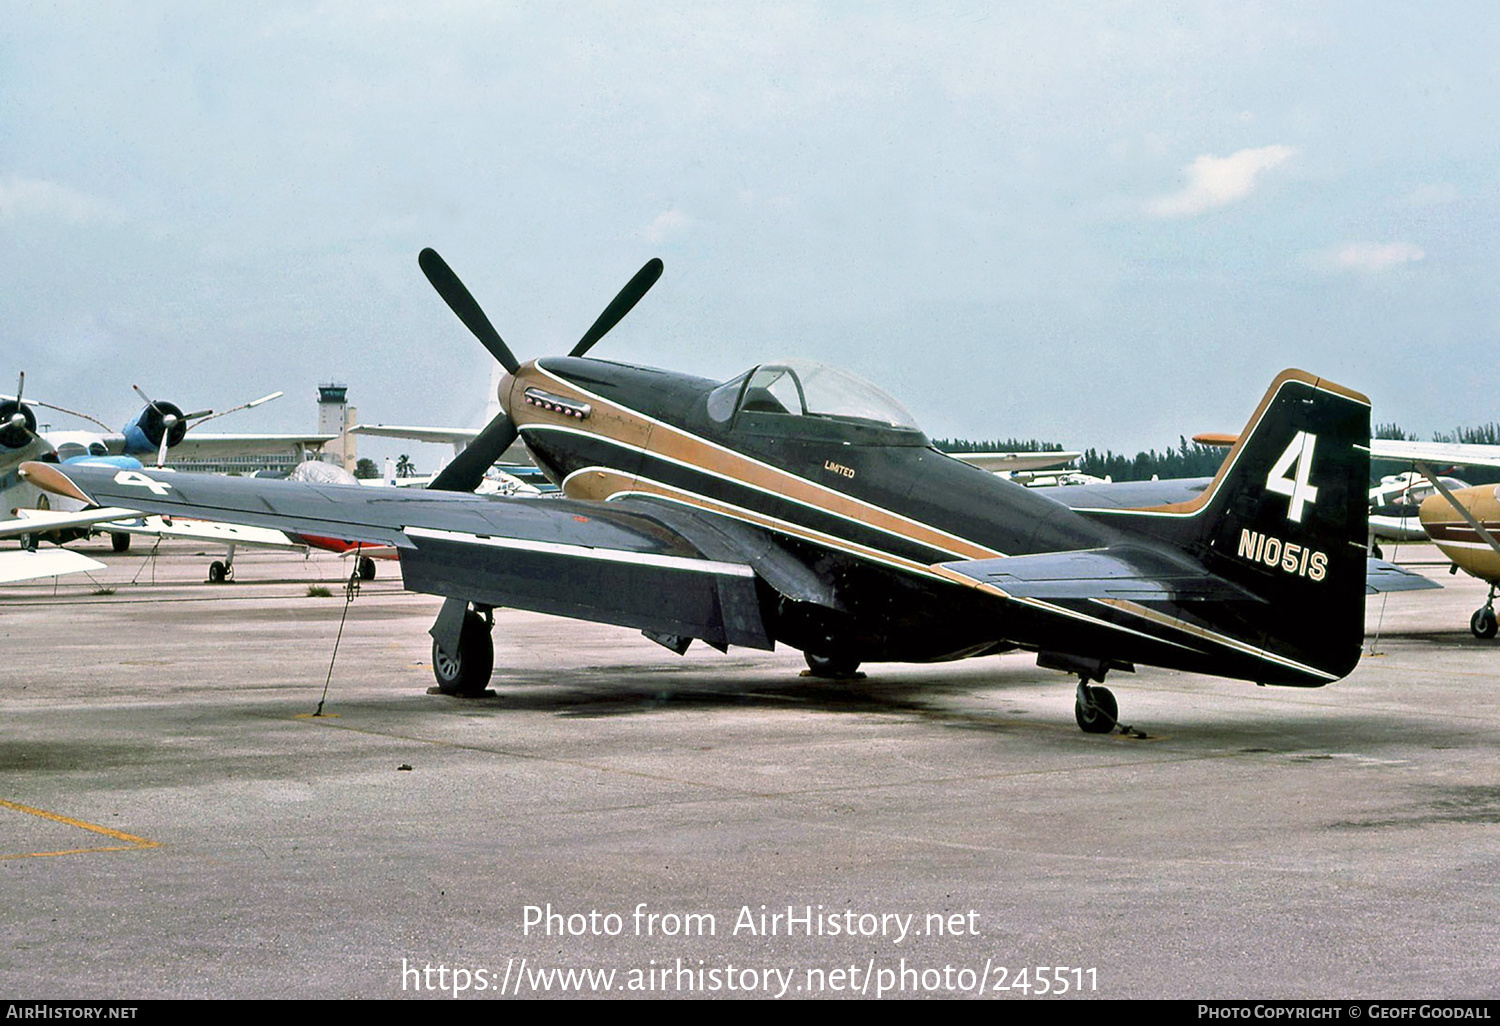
(28, 564)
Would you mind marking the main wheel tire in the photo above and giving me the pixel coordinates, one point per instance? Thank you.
(366, 568)
(218, 573)
(1482, 623)
(468, 672)
(119, 541)
(832, 667)
(1102, 716)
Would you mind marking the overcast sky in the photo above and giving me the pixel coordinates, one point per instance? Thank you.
(1100, 224)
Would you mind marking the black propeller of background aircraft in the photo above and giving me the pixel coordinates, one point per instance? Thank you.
(17, 422)
(799, 504)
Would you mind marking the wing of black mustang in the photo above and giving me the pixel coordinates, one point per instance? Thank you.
(635, 564)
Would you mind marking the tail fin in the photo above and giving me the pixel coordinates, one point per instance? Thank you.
(1285, 518)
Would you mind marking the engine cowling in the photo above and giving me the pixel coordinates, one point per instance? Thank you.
(17, 424)
(144, 433)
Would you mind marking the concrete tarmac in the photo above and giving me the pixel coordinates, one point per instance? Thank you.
(177, 823)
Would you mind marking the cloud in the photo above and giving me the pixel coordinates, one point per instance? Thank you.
(1368, 257)
(668, 222)
(25, 198)
(1219, 181)
(1435, 195)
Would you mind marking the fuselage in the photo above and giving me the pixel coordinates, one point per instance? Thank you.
(1456, 537)
(877, 489)
(869, 504)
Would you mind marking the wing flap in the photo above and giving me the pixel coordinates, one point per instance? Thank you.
(690, 596)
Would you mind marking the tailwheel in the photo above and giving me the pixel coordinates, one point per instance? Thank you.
(831, 667)
(1095, 708)
(467, 672)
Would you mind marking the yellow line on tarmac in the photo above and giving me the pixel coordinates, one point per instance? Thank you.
(135, 842)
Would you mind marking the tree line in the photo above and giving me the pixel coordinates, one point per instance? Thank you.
(1194, 459)
(1189, 459)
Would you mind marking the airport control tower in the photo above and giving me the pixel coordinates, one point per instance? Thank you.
(335, 417)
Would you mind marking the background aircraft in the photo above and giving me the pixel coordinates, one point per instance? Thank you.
(1465, 525)
(798, 504)
(1394, 503)
(159, 428)
(1463, 521)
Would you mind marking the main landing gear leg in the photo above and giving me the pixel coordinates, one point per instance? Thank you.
(1482, 623)
(1095, 708)
(463, 653)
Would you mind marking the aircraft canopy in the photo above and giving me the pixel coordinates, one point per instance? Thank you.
(805, 388)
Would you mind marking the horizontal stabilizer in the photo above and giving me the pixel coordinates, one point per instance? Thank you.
(1128, 495)
(1381, 576)
(1118, 572)
(996, 462)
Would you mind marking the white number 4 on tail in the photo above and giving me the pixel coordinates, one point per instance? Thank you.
(1300, 454)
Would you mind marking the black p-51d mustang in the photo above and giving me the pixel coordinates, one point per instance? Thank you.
(799, 504)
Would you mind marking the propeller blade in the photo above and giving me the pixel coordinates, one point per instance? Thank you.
(209, 415)
(629, 296)
(20, 387)
(149, 401)
(468, 467)
(462, 303)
